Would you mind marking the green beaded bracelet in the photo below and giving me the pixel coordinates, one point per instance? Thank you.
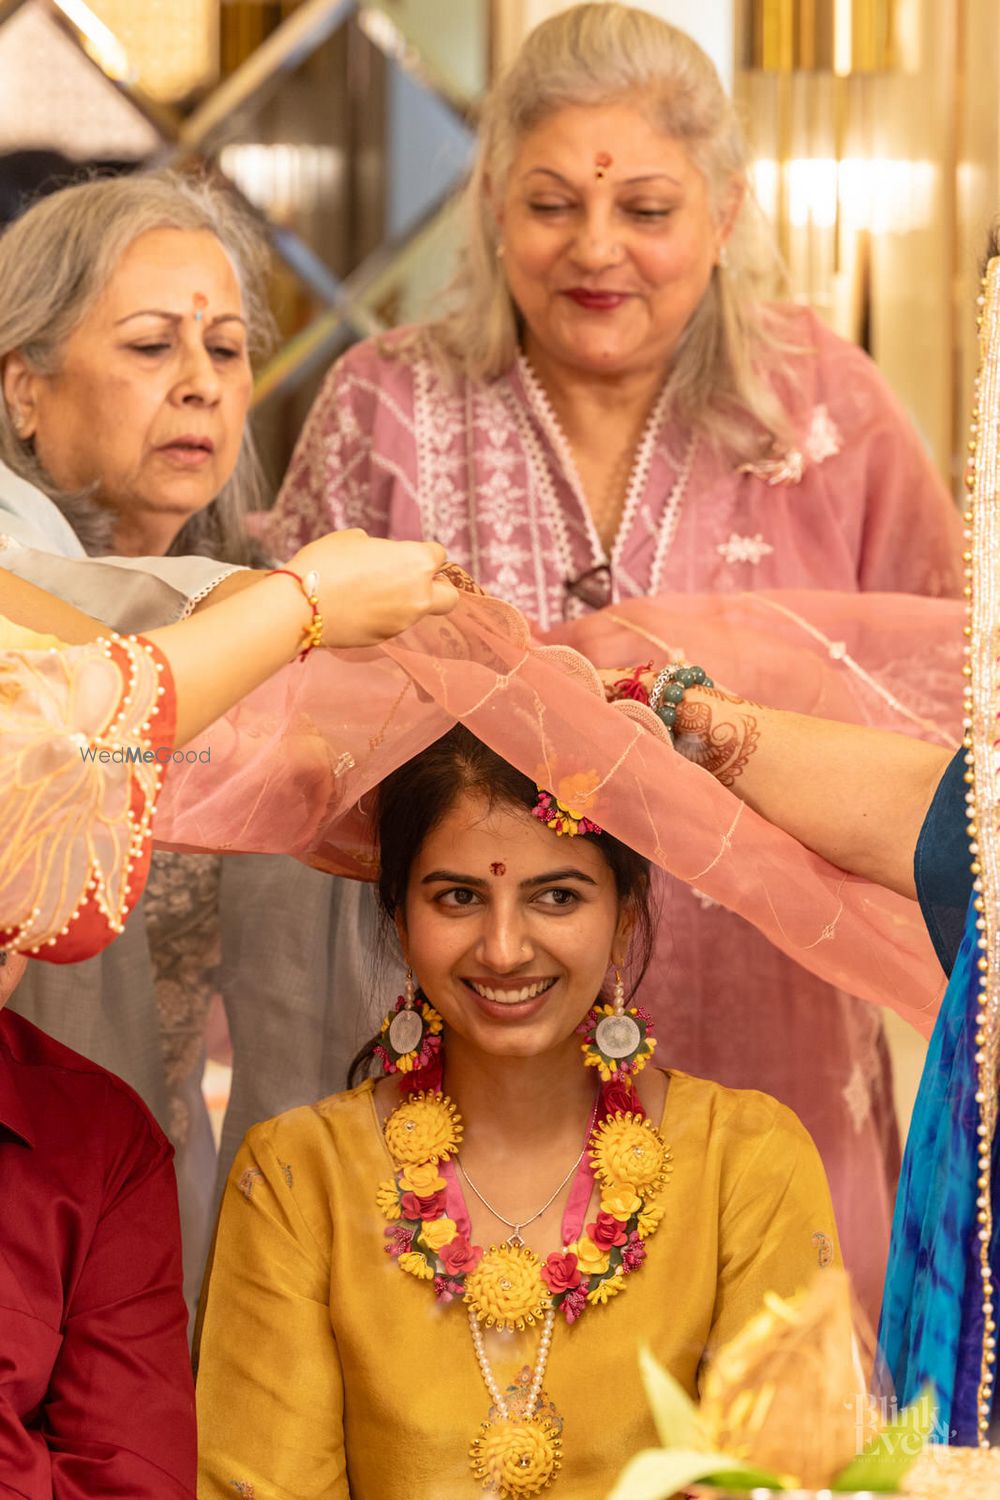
(667, 692)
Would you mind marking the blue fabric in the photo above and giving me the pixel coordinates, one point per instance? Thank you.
(941, 864)
(931, 1327)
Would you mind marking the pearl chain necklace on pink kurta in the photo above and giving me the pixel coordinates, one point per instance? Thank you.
(667, 529)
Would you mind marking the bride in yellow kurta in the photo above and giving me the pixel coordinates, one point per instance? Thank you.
(354, 1339)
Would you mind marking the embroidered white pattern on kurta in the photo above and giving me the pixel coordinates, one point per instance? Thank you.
(823, 438)
(744, 549)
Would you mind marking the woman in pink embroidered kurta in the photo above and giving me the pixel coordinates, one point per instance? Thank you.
(408, 439)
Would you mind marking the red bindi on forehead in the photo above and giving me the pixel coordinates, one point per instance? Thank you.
(602, 161)
(498, 868)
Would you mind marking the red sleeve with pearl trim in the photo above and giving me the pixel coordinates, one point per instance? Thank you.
(85, 736)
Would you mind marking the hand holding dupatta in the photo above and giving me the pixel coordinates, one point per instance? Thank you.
(88, 729)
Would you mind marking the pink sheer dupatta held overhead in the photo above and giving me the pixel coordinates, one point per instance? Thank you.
(292, 767)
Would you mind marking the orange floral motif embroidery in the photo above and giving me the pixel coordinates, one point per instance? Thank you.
(242, 1487)
(824, 1249)
(248, 1180)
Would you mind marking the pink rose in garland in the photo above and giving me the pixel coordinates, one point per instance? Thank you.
(415, 1207)
(607, 1231)
(459, 1257)
(561, 1273)
(619, 1096)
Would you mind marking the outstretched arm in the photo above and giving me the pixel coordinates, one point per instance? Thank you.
(856, 796)
(368, 590)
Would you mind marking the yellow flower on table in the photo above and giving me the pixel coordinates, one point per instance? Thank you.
(437, 1233)
(423, 1129)
(422, 1178)
(591, 1259)
(629, 1151)
(387, 1199)
(506, 1288)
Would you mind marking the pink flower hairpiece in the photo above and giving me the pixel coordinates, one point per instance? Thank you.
(559, 818)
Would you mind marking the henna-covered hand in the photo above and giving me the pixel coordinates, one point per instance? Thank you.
(720, 739)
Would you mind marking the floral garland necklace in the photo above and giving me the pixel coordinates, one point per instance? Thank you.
(508, 1287)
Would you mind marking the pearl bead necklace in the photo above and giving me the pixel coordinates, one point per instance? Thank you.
(642, 460)
(486, 1370)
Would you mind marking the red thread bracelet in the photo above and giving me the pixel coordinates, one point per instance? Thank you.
(313, 633)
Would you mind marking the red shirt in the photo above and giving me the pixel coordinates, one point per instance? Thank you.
(96, 1396)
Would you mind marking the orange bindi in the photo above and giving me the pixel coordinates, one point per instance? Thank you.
(199, 302)
(602, 162)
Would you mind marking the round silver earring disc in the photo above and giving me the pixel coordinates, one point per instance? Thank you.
(616, 1036)
(405, 1030)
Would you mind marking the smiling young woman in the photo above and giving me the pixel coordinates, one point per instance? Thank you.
(471, 1215)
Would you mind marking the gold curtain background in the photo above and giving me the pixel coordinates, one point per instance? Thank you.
(882, 184)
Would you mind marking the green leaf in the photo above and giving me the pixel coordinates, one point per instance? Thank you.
(678, 1424)
(657, 1474)
(892, 1452)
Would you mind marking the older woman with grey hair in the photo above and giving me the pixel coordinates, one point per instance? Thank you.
(133, 304)
(610, 409)
(131, 309)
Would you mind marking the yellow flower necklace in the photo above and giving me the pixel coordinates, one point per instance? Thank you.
(517, 1453)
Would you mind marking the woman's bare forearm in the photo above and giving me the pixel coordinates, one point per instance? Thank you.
(28, 605)
(856, 796)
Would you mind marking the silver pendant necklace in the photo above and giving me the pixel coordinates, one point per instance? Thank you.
(514, 1239)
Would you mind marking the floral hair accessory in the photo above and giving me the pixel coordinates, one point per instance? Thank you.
(559, 818)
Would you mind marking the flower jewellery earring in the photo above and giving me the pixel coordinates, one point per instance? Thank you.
(410, 1035)
(617, 1042)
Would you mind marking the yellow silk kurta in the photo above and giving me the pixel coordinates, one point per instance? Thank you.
(327, 1372)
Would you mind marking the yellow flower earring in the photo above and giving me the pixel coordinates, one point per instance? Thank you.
(618, 1042)
(410, 1035)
